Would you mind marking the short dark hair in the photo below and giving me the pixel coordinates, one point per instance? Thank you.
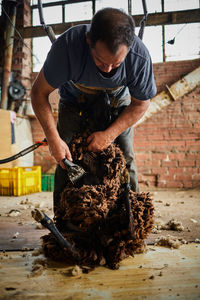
(113, 27)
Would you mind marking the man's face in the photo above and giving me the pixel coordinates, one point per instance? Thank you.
(105, 60)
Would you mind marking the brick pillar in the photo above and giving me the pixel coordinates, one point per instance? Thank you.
(22, 57)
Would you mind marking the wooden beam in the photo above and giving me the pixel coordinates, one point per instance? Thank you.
(58, 3)
(165, 18)
(177, 90)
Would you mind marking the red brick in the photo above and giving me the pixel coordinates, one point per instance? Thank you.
(157, 137)
(169, 177)
(195, 183)
(176, 145)
(191, 136)
(141, 145)
(197, 163)
(142, 156)
(196, 177)
(152, 163)
(159, 145)
(161, 184)
(144, 170)
(139, 163)
(188, 184)
(191, 170)
(174, 184)
(193, 143)
(177, 170)
(172, 163)
(193, 116)
(192, 156)
(159, 156)
(160, 170)
(183, 177)
(140, 139)
(177, 156)
(187, 163)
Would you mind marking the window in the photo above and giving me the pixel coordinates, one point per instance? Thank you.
(152, 6)
(186, 37)
(152, 39)
(186, 43)
(50, 16)
(112, 3)
(173, 5)
(41, 47)
(78, 11)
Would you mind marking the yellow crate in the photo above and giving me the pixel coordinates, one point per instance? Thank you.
(19, 181)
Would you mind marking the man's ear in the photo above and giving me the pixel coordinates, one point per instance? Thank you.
(88, 38)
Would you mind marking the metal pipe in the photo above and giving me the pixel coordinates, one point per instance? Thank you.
(130, 7)
(175, 91)
(163, 33)
(10, 30)
(48, 29)
(93, 7)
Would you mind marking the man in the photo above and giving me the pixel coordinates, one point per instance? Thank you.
(84, 60)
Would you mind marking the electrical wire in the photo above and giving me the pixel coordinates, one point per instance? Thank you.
(172, 41)
(21, 38)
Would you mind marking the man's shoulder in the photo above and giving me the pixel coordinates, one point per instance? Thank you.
(74, 40)
(77, 31)
(138, 50)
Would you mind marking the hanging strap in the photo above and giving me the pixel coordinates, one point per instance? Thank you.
(144, 20)
(48, 29)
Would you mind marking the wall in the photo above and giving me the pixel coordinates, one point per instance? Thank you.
(22, 56)
(167, 146)
(170, 72)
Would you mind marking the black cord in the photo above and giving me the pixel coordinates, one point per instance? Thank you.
(21, 153)
(172, 41)
(144, 20)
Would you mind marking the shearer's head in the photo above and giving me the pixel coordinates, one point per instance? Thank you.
(110, 37)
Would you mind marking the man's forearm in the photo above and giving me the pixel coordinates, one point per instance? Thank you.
(40, 102)
(44, 114)
(127, 118)
(41, 106)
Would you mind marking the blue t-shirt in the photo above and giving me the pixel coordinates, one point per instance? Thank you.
(69, 61)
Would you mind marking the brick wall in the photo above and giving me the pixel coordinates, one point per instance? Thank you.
(167, 146)
(22, 57)
(42, 156)
(170, 72)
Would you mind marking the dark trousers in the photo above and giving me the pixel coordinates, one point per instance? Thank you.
(70, 122)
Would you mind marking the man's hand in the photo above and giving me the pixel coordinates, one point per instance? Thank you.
(98, 141)
(40, 101)
(59, 150)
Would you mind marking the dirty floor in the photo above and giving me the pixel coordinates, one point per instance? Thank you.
(161, 272)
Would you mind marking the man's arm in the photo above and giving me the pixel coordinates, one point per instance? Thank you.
(102, 139)
(42, 108)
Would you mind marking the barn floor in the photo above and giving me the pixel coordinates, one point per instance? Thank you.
(159, 272)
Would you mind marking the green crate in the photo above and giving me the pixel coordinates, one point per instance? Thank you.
(48, 182)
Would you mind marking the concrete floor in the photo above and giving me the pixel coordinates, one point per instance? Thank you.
(161, 272)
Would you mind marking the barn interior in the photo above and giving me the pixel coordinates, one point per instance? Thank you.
(166, 146)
